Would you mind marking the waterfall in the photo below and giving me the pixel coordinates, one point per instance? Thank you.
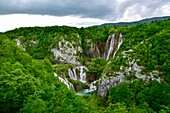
(112, 46)
(109, 49)
(72, 74)
(82, 74)
(106, 47)
(65, 81)
(120, 40)
(93, 85)
(98, 51)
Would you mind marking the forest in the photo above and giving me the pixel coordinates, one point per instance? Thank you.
(31, 56)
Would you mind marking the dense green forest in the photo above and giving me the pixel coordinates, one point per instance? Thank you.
(28, 65)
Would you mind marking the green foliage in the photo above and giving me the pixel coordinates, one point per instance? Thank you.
(116, 108)
(34, 105)
(29, 85)
(121, 94)
(97, 65)
(152, 95)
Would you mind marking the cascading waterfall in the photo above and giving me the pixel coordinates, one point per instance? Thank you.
(65, 81)
(112, 46)
(93, 85)
(75, 74)
(82, 74)
(72, 74)
(120, 40)
(106, 47)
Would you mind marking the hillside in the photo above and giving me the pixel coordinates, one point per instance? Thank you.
(147, 20)
(94, 69)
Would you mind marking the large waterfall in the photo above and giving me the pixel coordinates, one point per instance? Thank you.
(109, 49)
(120, 40)
(112, 46)
(78, 73)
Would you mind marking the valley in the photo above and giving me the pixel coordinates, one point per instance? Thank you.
(94, 69)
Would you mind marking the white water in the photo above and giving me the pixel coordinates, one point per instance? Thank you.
(93, 85)
(65, 81)
(82, 73)
(98, 51)
(72, 74)
(110, 46)
(106, 46)
(120, 40)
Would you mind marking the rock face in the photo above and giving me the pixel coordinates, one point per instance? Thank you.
(106, 83)
(66, 52)
(19, 44)
(134, 67)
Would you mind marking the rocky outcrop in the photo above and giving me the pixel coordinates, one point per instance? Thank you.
(107, 82)
(66, 52)
(134, 67)
(21, 45)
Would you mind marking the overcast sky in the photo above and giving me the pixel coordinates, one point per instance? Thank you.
(22, 13)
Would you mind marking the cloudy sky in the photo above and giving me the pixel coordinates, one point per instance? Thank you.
(23, 13)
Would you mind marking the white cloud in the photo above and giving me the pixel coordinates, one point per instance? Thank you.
(9, 22)
(132, 14)
(23, 13)
(163, 11)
